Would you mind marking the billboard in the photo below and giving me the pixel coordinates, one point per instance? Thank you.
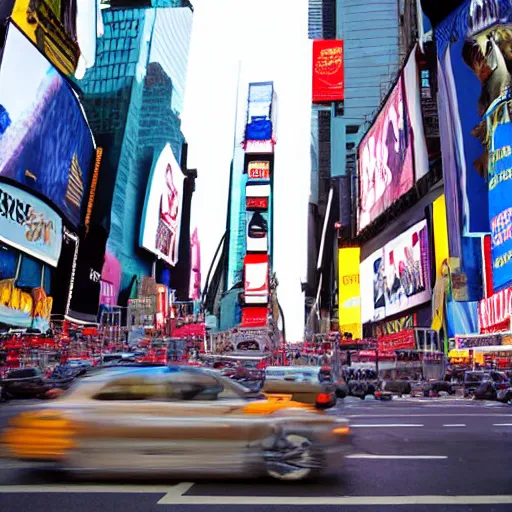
(256, 278)
(45, 142)
(258, 170)
(413, 105)
(385, 159)
(255, 316)
(161, 218)
(257, 231)
(253, 204)
(30, 225)
(371, 272)
(473, 57)
(328, 71)
(195, 267)
(256, 190)
(499, 173)
(397, 277)
(407, 270)
(43, 22)
(349, 304)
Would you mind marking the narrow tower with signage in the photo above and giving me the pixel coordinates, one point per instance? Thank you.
(258, 166)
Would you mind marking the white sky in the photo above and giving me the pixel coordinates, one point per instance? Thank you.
(270, 37)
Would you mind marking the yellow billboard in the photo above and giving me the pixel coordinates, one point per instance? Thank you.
(442, 259)
(349, 303)
(41, 23)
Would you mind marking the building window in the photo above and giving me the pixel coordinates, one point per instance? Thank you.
(8, 262)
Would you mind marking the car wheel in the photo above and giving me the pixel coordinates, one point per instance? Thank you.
(292, 458)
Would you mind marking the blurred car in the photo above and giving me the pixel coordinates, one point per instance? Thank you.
(302, 383)
(473, 380)
(181, 420)
(28, 383)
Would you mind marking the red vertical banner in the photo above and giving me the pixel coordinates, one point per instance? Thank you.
(328, 71)
(489, 288)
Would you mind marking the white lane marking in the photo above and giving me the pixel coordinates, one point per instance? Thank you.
(502, 424)
(450, 425)
(391, 425)
(170, 499)
(395, 457)
(175, 490)
(458, 415)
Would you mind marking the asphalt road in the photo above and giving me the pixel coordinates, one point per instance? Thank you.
(410, 455)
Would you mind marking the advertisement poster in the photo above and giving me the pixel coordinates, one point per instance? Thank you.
(257, 190)
(372, 287)
(349, 304)
(257, 232)
(494, 312)
(328, 71)
(43, 23)
(473, 46)
(404, 323)
(404, 340)
(254, 316)
(45, 142)
(499, 129)
(30, 225)
(161, 219)
(195, 267)
(385, 159)
(414, 107)
(406, 270)
(258, 171)
(397, 277)
(256, 278)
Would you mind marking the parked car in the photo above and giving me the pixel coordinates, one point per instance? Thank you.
(25, 383)
(181, 420)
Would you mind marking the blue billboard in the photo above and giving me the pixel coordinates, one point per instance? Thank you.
(45, 141)
(499, 128)
(461, 109)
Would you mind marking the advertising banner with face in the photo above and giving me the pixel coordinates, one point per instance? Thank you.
(161, 219)
(406, 270)
(372, 287)
(385, 159)
(475, 59)
(396, 277)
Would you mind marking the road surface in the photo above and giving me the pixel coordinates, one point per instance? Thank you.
(410, 455)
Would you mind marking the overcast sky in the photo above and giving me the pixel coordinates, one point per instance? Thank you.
(269, 37)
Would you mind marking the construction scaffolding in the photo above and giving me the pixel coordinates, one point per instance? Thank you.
(111, 327)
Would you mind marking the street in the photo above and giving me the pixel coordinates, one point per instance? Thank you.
(409, 454)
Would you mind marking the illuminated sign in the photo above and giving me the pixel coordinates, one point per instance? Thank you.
(29, 225)
(258, 170)
(349, 304)
(256, 203)
(328, 71)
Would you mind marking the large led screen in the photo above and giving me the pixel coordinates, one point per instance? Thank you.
(397, 277)
(407, 270)
(256, 278)
(161, 220)
(45, 142)
(474, 60)
(257, 231)
(385, 159)
(372, 287)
